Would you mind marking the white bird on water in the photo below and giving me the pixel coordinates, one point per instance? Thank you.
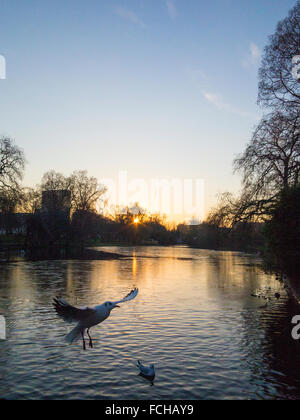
(149, 372)
(86, 318)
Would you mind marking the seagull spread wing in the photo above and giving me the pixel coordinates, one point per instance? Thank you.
(130, 296)
(69, 313)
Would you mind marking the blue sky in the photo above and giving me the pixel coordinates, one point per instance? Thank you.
(158, 88)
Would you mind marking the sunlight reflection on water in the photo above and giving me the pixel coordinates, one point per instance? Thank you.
(194, 318)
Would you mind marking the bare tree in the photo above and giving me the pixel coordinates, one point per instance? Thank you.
(85, 190)
(31, 200)
(223, 214)
(9, 199)
(232, 210)
(128, 215)
(12, 163)
(278, 86)
(271, 161)
(54, 181)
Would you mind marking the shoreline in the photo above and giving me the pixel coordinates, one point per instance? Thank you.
(60, 254)
(293, 288)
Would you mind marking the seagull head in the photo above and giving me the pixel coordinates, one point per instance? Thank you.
(111, 305)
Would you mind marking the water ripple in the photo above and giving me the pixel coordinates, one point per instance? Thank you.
(194, 318)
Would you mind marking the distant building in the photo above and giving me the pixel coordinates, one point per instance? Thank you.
(56, 200)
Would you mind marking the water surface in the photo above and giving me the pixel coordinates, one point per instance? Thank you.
(194, 318)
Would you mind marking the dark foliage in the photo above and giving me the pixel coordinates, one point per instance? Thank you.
(242, 237)
(283, 233)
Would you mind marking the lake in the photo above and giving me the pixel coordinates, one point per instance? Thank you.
(194, 318)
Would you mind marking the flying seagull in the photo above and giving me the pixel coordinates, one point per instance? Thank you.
(86, 317)
(148, 372)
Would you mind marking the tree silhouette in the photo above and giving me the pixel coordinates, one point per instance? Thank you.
(85, 190)
(278, 87)
(272, 159)
(12, 163)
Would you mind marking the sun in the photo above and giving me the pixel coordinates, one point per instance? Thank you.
(136, 221)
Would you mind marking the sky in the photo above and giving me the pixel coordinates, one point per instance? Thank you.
(161, 89)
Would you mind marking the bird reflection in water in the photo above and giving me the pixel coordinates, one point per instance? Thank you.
(150, 380)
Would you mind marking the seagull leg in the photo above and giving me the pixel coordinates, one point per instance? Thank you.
(83, 340)
(91, 341)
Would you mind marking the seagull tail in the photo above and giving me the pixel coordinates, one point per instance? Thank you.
(74, 335)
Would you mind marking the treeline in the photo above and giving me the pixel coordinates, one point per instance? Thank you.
(74, 217)
(270, 165)
(89, 228)
(247, 237)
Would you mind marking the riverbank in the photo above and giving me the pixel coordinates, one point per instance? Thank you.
(293, 288)
(41, 254)
(71, 254)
